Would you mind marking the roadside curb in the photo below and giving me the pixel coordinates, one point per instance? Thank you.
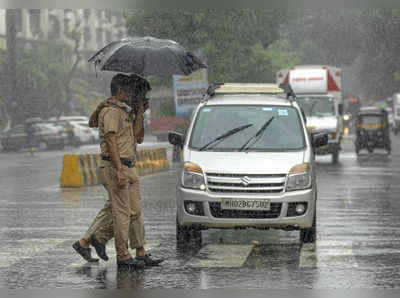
(83, 169)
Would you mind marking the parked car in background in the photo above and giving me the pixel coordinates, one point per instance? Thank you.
(71, 118)
(47, 137)
(83, 133)
(64, 126)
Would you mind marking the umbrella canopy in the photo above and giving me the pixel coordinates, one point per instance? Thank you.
(147, 56)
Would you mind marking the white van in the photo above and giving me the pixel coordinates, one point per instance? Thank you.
(248, 162)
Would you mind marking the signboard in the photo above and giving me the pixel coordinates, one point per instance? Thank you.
(353, 100)
(188, 91)
(309, 80)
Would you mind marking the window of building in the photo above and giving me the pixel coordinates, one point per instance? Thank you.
(108, 15)
(108, 36)
(87, 34)
(34, 21)
(54, 28)
(99, 36)
(86, 14)
(66, 24)
(99, 13)
(18, 20)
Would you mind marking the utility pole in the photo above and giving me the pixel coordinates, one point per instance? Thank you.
(11, 100)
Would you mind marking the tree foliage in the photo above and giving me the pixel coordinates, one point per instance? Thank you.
(42, 71)
(228, 39)
(365, 43)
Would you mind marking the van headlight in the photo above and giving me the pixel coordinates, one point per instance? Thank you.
(299, 177)
(192, 177)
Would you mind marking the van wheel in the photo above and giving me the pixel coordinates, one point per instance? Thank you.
(335, 157)
(309, 235)
(184, 235)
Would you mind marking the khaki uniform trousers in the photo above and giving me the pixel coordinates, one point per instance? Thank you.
(121, 216)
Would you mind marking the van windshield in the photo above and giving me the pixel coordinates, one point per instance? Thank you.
(318, 106)
(284, 132)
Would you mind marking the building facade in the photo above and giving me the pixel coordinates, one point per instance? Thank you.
(97, 27)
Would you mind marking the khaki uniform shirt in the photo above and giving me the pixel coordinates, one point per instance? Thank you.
(117, 120)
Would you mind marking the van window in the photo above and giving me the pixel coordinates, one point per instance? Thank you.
(284, 132)
(317, 106)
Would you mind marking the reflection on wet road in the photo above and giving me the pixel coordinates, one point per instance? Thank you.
(358, 242)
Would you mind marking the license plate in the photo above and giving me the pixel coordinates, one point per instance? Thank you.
(245, 204)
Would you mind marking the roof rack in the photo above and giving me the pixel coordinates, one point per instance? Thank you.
(250, 88)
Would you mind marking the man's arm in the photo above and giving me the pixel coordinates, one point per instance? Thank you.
(111, 141)
(94, 118)
(138, 125)
(111, 126)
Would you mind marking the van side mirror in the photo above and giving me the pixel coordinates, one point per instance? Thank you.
(319, 140)
(341, 109)
(175, 138)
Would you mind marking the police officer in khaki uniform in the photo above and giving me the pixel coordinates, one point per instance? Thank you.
(121, 216)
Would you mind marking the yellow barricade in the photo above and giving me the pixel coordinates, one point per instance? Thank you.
(83, 169)
(80, 170)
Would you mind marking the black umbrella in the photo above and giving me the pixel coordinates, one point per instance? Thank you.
(147, 56)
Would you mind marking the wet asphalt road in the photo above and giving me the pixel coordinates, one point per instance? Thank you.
(358, 243)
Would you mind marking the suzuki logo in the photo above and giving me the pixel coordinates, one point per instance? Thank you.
(246, 181)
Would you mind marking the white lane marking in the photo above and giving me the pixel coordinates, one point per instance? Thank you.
(221, 256)
(204, 280)
(49, 189)
(112, 255)
(328, 253)
(18, 250)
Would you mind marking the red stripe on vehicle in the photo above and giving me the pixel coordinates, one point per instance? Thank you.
(332, 86)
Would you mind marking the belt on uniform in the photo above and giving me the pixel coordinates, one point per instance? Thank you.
(130, 163)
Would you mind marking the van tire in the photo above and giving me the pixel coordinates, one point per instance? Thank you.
(184, 235)
(309, 235)
(335, 157)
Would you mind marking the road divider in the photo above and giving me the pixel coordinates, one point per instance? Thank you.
(83, 169)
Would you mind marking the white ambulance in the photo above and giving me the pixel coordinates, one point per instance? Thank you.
(319, 93)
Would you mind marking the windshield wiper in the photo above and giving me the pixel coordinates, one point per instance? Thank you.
(257, 135)
(224, 136)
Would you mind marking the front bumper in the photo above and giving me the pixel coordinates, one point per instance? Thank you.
(279, 221)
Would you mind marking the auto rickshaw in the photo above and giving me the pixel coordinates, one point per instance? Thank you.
(372, 130)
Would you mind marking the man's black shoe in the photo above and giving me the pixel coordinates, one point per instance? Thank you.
(84, 252)
(149, 262)
(132, 263)
(99, 247)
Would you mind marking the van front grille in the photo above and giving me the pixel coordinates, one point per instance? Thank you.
(216, 211)
(241, 183)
